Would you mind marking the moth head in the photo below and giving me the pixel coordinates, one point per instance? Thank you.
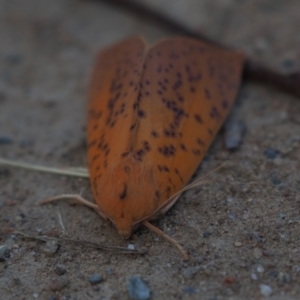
(124, 227)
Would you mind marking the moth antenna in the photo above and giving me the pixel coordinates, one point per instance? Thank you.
(163, 235)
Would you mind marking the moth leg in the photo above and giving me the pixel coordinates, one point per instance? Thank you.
(162, 234)
(78, 198)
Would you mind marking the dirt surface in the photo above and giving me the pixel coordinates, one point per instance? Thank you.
(241, 229)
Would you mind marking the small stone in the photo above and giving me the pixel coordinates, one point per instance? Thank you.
(207, 272)
(278, 161)
(234, 132)
(60, 269)
(206, 234)
(189, 273)
(253, 276)
(282, 216)
(4, 253)
(229, 280)
(238, 244)
(274, 179)
(257, 253)
(232, 215)
(130, 247)
(280, 279)
(50, 247)
(109, 271)
(11, 241)
(260, 269)
(137, 289)
(265, 290)
(271, 153)
(189, 290)
(273, 274)
(5, 140)
(96, 278)
(287, 278)
(58, 284)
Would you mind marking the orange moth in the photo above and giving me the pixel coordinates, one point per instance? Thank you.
(152, 114)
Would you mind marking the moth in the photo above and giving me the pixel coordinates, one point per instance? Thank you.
(152, 114)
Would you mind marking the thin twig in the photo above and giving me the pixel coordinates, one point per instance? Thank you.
(61, 221)
(77, 172)
(253, 70)
(83, 243)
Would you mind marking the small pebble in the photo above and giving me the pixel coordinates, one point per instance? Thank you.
(4, 253)
(189, 290)
(271, 153)
(234, 132)
(50, 247)
(190, 272)
(58, 283)
(265, 290)
(260, 269)
(287, 278)
(5, 140)
(206, 234)
(274, 179)
(109, 271)
(11, 241)
(137, 289)
(232, 215)
(273, 274)
(253, 276)
(229, 280)
(278, 161)
(257, 253)
(130, 247)
(60, 269)
(282, 216)
(238, 244)
(96, 278)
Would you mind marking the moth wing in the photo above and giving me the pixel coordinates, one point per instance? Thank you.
(111, 115)
(187, 90)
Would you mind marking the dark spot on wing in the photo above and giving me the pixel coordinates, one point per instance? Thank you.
(198, 118)
(124, 193)
(167, 151)
(154, 134)
(178, 174)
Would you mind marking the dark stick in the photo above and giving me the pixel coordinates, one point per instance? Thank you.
(253, 70)
(289, 83)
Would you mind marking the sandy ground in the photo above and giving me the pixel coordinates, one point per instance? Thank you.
(241, 230)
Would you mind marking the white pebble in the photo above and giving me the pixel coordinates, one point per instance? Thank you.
(265, 290)
(257, 253)
(260, 269)
(253, 276)
(130, 247)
